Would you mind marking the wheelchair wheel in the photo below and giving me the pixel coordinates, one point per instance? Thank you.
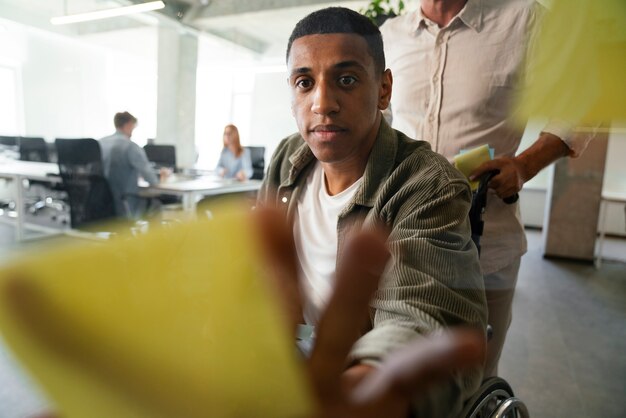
(494, 399)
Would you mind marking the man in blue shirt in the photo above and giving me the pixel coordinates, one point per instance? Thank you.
(124, 161)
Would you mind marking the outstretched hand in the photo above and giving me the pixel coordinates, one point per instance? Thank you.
(360, 391)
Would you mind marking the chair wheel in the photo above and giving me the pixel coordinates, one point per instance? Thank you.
(492, 392)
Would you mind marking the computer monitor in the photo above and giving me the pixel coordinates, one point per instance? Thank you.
(161, 155)
(8, 141)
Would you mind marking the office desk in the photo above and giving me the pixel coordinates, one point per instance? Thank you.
(192, 188)
(17, 172)
(188, 187)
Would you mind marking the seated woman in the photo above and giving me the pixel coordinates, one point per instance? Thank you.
(235, 161)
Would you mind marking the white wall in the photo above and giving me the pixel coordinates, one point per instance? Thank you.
(225, 82)
(533, 197)
(271, 117)
(72, 87)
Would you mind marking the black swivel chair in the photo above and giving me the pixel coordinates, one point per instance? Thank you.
(33, 149)
(80, 166)
(8, 146)
(257, 155)
(8, 141)
(36, 149)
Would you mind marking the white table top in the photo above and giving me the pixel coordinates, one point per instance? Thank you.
(29, 169)
(178, 185)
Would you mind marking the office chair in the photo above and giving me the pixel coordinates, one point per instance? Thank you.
(8, 141)
(257, 155)
(33, 149)
(8, 146)
(80, 166)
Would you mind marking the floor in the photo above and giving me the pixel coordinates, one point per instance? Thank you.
(565, 355)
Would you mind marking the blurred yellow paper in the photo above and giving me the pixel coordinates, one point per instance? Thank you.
(175, 323)
(578, 69)
(470, 160)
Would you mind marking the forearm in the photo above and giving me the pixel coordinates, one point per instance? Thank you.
(547, 149)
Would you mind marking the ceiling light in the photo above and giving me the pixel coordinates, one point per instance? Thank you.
(103, 14)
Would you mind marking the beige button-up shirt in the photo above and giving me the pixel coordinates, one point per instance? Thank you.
(455, 88)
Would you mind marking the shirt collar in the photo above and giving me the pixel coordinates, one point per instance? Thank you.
(122, 134)
(379, 165)
(471, 14)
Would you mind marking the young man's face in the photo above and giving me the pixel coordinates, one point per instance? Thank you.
(336, 95)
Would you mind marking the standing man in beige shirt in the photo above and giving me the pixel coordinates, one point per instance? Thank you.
(457, 67)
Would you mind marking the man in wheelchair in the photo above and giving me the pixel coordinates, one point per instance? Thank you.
(347, 171)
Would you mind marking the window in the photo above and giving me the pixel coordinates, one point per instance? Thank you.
(10, 109)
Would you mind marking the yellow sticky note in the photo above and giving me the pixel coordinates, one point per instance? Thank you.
(471, 160)
(175, 323)
(578, 67)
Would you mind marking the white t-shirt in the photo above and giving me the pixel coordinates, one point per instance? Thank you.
(315, 232)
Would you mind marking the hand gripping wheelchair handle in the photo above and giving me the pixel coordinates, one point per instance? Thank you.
(479, 201)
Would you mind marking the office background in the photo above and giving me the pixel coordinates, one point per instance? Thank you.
(565, 351)
(183, 84)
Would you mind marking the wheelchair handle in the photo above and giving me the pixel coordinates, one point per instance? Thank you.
(486, 178)
(479, 201)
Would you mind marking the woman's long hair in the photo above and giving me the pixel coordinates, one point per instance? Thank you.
(231, 141)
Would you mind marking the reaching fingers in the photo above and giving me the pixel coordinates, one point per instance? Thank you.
(364, 261)
(419, 365)
(279, 251)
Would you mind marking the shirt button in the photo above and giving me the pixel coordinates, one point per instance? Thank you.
(284, 199)
(435, 78)
(431, 118)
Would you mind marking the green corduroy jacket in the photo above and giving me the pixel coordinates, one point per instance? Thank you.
(433, 281)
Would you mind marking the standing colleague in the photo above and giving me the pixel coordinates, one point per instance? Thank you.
(235, 161)
(458, 66)
(124, 161)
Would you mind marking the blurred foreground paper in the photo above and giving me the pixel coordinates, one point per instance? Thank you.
(578, 69)
(175, 323)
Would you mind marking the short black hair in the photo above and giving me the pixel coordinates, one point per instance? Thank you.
(341, 20)
(122, 118)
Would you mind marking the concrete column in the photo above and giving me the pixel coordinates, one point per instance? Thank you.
(176, 107)
(573, 203)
